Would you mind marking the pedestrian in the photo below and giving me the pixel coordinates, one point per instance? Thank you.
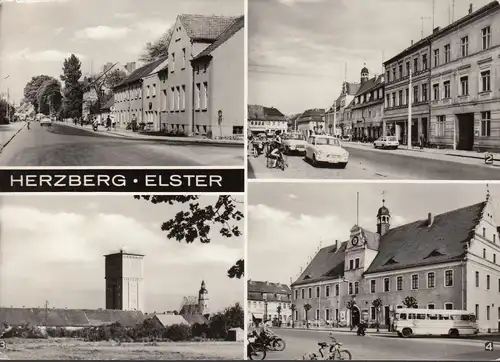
(422, 141)
(108, 123)
(134, 123)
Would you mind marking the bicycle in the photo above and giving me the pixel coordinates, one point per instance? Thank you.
(255, 351)
(281, 162)
(334, 352)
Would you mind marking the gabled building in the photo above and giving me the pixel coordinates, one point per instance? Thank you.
(268, 301)
(445, 261)
(311, 121)
(154, 102)
(265, 120)
(336, 113)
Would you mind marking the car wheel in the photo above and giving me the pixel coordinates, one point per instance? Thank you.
(314, 161)
(374, 146)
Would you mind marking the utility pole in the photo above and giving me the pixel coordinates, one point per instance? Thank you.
(433, 11)
(452, 11)
(408, 132)
(357, 208)
(46, 312)
(8, 105)
(422, 30)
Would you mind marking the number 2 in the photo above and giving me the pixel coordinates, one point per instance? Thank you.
(488, 346)
(488, 159)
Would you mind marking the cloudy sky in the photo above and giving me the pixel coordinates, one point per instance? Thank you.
(288, 221)
(52, 249)
(298, 49)
(36, 35)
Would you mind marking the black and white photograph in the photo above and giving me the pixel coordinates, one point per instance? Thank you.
(373, 271)
(121, 277)
(122, 83)
(379, 89)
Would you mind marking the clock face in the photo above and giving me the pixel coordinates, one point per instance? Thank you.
(355, 241)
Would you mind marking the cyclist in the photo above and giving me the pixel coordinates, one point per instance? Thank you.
(276, 144)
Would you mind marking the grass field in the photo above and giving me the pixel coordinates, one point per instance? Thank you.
(72, 349)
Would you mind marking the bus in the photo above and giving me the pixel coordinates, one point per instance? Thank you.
(434, 322)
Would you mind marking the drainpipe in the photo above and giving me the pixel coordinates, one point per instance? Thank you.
(429, 96)
(192, 98)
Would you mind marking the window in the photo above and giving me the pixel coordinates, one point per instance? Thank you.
(464, 86)
(486, 124)
(464, 46)
(414, 281)
(436, 57)
(337, 291)
(183, 58)
(318, 293)
(477, 279)
(296, 315)
(435, 91)
(387, 285)
(388, 100)
(415, 65)
(164, 100)
(400, 96)
(484, 234)
(494, 239)
(446, 86)
(394, 99)
(498, 285)
(486, 36)
(356, 263)
(430, 306)
(172, 99)
(327, 291)
(173, 63)
(431, 280)
(448, 278)
(394, 73)
(424, 61)
(147, 91)
(373, 286)
(494, 258)
(447, 53)
(440, 129)
(205, 98)
(303, 293)
(198, 96)
(317, 314)
(388, 76)
(407, 96)
(350, 288)
(484, 251)
(356, 288)
(309, 293)
(408, 68)
(154, 90)
(296, 294)
(415, 94)
(477, 311)
(485, 81)
(424, 92)
(327, 314)
(488, 312)
(448, 306)
(401, 71)
(177, 98)
(351, 264)
(399, 284)
(488, 282)
(372, 313)
(183, 98)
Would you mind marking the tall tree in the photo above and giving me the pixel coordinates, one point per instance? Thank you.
(102, 86)
(32, 87)
(49, 97)
(4, 111)
(158, 48)
(196, 222)
(73, 88)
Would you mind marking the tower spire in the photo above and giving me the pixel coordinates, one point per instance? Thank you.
(487, 192)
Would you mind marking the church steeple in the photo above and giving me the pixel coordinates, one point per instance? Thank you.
(203, 299)
(383, 219)
(365, 74)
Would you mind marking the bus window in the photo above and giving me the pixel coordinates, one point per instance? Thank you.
(456, 317)
(401, 316)
(412, 316)
(444, 317)
(433, 317)
(421, 316)
(470, 317)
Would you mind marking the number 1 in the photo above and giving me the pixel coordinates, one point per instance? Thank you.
(488, 346)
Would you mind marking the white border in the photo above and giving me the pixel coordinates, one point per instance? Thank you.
(245, 168)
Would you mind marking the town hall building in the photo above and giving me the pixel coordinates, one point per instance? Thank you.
(446, 261)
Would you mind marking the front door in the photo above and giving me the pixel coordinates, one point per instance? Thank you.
(465, 129)
(387, 315)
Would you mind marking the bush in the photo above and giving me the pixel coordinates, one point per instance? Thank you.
(178, 332)
(200, 330)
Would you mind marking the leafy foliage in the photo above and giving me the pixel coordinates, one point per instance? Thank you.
(307, 308)
(410, 302)
(158, 48)
(49, 97)
(102, 86)
(197, 221)
(73, 88)
(349, 304)
(32, 87)
(3, 111)
(377, 303)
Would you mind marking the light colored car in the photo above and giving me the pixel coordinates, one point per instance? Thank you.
(46, 121)
(387, 142)
(294, 142)
(326, 149)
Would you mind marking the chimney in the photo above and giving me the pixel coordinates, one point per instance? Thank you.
(337, 244)
(436, 30)
(430, 220)
(470, 9)
(412, 42)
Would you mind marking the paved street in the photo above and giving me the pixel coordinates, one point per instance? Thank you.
(7, 131)
(368, 163)
(62, 145)
(379, 346)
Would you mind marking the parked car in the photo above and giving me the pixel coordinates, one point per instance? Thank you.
(294, 142)
(326, 149)
(46, 121)
(387, 142)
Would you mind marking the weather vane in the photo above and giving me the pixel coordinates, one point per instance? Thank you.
(383, 196)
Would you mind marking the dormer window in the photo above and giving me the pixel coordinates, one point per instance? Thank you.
(391, 261)
(434, 254)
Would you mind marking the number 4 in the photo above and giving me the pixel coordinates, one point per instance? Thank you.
(488, 346)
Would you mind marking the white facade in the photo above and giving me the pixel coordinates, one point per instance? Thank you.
(269, 310)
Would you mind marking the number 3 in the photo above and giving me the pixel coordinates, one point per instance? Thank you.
(3, 345)
(488, 346)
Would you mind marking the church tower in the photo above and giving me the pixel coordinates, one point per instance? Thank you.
(365, 74)
(203, 299)
(383, 220)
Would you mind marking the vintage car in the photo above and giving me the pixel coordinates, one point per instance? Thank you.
(387, 142)
(326, 149)
(294, 142)
(45, 121)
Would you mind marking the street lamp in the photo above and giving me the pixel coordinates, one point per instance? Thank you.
(8, 96)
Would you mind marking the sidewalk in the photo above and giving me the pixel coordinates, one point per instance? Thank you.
(8, 132)
(431, 153)
(128, 134)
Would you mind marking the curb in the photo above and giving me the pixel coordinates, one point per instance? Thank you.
(11, 138)
(187, 142)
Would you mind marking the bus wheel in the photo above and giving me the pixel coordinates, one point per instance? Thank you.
(453, 333)
(406, 332)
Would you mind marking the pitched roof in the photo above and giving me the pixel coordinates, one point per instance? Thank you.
(170, 319)
(190, 309)
(352, 88)
(315, 115)
(258, 112)
(141, 72)
(236, 26)
(203, 28)
(267, 287)
(195, 319)
(370, 84)
(417, 244)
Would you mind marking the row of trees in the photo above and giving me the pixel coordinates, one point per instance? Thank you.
(65, 100)
(5, 109)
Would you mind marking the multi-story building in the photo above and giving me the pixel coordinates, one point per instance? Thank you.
(465, 109)
(128, 95)
(311, 121)
(446, 261)
(269, 301)
(368, 107)
(414, 59)
(191, 35)
(336, 113)
(154, 102)
(219, 94)
(266, 120)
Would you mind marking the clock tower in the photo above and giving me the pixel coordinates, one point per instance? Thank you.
(383, 220)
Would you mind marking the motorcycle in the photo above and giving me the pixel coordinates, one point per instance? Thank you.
(258, 149)
(255, 351)
(94, 127)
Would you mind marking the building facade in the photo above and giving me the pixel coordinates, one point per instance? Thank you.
(446, 261)
(368, 108)
(269, 301)
(154, 101)
(219, 94)
(265, 120)
(465, 109)
(414, 60)
(311, 121)
(336, 113)
(124, 277)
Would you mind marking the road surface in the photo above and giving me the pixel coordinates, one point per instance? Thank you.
(62, 145)
(366, 163)
(384, 347)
